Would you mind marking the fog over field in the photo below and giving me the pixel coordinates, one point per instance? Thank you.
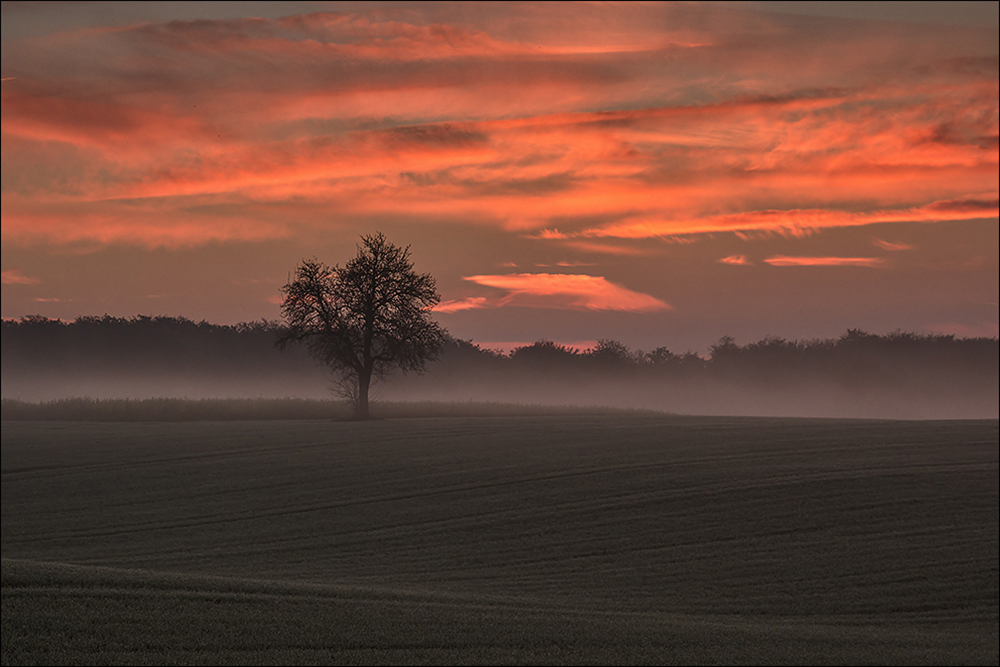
(863, 375)
(623, 539)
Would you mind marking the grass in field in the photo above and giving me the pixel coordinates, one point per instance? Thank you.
(176, 409)
(614, 539)
(96, 615)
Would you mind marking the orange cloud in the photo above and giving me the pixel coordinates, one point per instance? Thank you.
(870, 262)
(797, 221)
(107, 222)
(736, 260)
(549, 129)
(573, 291)
(892, 247)
(608, 249)
(15, 277)
(455, 305)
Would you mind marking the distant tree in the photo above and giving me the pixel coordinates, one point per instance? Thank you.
(610, 354)
(724, 350)
(365, 319)
(544, 355)
(662, 356)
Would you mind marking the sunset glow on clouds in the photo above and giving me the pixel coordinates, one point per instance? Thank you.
(609, 132)
(870, 262)
(797, 222)
(380, 115)
(560, 290)
(15, 277)
(890, 246)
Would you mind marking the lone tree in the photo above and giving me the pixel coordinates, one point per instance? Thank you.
(365, 319)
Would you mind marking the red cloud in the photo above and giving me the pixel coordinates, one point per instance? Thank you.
(456, 305)
(122, 130)
(608, 249)
(15, 277)
(798, 221)
(892, 247)
(433, 112)
(870, 262)
(574, 291)
(106, 222)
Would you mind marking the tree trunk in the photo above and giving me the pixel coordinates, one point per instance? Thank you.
(364, 382)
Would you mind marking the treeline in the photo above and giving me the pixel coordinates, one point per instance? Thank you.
(904, 364)
(176, 343)
(140, 343)
(110, 357)
(151, 357)
(854, 357)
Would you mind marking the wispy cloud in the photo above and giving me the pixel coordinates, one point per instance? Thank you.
(15, 277)
(455, 305)
(797, 222)
(608, 248)
(106, 222)
(572, 291)
(870, 262)
(736, 260)
(891, 247)
(562, 113)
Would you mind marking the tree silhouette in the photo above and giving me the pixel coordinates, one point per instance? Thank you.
(365, 319)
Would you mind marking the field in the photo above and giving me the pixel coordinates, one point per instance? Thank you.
(599, 539)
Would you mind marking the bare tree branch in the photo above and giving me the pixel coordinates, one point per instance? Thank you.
(364, 319)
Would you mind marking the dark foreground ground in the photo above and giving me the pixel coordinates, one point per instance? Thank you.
(561, 539)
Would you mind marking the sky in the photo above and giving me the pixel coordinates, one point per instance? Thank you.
(658, 174)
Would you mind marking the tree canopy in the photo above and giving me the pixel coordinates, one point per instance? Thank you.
(365, 319)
